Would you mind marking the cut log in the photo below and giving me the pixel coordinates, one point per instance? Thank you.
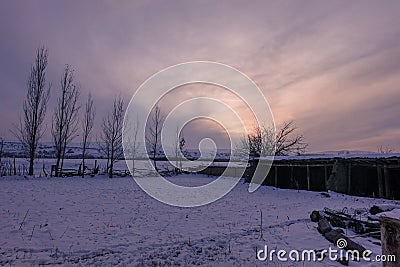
(314, 216)
(375, 209)
(324, 226)
(358, 227)
(334, 235)
(341, 219)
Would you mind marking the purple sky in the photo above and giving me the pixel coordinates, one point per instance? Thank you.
(332, 66)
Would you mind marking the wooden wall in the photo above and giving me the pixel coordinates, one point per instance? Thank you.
(355, 176)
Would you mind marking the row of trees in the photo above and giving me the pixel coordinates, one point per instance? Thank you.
(65, 123)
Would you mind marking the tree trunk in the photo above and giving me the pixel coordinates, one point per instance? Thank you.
(133, 166)
(154, 159)
(110, 174)
(56, 173)
(31, 159)
(15, 167)
(62, 163)
(83, 161)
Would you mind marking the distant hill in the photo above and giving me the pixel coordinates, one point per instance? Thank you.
(46, 150)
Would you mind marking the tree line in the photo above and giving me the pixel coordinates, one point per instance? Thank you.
(65, 124)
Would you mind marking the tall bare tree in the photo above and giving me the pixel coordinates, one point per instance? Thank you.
(112, 134)
(182, 143)
(264, 141)
(30, 129)
(153, 133)
(65, 118)
(176, 149)
(87, 127)
(131, 133)
(179, 146)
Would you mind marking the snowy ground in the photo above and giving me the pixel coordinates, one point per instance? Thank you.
(106, 222)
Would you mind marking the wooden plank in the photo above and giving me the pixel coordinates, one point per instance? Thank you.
(349, 179)
(303, 165)
(386, 178)
(291, 176)
(380, 182)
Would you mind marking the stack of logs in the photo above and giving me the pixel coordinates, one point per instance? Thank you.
(329, 218)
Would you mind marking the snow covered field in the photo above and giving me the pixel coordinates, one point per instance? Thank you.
(112, 222)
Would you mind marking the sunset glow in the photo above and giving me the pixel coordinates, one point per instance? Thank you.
(332, 67)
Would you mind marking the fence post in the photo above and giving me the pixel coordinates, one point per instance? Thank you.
(291, 177)
(380, 182)
(386, 178)
(15, 167)
(390, 238)
(349, 180)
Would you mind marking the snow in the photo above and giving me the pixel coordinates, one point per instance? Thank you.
(104, 222)
(395, 213)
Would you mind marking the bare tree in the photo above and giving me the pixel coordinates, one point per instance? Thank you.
(153, 133)
(30, 129)
(260, 142)
(179, 146)
(265, 141)
(112, 134)
(182, 143)
(256, 140)
(289, 142)
(176, 148)
(131, 133)
(65, 118)
(87, 127)
(385, 150)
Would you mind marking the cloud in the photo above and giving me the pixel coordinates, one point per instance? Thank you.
(330, 66)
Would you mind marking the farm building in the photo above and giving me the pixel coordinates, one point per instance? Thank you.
(372, 175)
